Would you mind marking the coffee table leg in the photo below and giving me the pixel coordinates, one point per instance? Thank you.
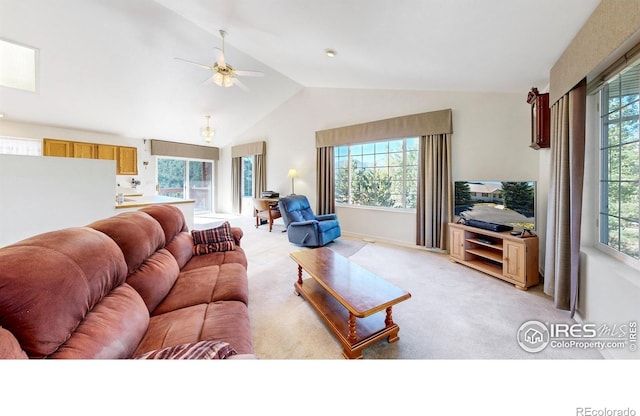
(299, 280)
(352, 328)
(348, 352)
(388, 321)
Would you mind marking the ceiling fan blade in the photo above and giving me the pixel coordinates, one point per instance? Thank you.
(220, 58)
(248, 73)
(210, 68)
(243, 87)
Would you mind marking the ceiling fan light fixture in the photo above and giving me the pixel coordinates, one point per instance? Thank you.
(207, 132)
(222, 80)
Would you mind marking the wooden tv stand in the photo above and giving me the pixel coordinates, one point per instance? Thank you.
(499, 254)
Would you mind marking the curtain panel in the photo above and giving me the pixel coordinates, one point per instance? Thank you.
(236, 185)
(562, 256)
(258, 150)
(259, 169)
(435, 195)
(325, 180)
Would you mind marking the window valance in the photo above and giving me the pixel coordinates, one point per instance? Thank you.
(191, 151)
(609, 29)
(434, 122)
(249, 149)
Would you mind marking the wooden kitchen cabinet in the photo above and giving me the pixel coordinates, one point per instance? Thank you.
(84, 150)
(58, 148)
(107, 152)
(126, 157)
(127, 163)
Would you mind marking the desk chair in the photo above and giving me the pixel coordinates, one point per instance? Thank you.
(265, 210)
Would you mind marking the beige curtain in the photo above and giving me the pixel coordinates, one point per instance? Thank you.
(568, 117)
(325, 180)
(258, 150)
(435, 196)
(259, 170)
(236, 184)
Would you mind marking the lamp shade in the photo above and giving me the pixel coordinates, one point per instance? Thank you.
(292, 173)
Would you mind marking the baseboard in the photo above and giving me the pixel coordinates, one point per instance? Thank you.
(376, 239)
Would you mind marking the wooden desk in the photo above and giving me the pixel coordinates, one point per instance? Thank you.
(354, 303)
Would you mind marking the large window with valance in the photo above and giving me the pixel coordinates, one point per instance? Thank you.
(356, 162)
(378, 174)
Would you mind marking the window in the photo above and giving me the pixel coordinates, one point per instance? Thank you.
(379, 174)
(18, 66)
(620, 162)
(20, 146)
(247, 176)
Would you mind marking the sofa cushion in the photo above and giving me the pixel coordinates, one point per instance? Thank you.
(181, 247)
(225, 321)
(218, 258)
(136, 233)
(51, 282)
(207, 284)
(213, 239)
(155, 277)
(170, 217)
(111, 330)
(203, 350)
(191, 288)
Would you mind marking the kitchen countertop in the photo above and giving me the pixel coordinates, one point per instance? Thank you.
(143, 201)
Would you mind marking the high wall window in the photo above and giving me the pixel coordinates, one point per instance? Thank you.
(620, 163)
(379, 174)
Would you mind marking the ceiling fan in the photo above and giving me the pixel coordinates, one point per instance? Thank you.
(223, 74)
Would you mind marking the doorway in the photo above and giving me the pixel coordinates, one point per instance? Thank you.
(187, 179)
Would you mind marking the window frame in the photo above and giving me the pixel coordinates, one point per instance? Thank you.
(604, 180)
(388, 166)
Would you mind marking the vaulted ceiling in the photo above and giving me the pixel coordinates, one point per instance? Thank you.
(108, 65)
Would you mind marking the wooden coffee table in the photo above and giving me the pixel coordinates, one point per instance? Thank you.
(354, 303)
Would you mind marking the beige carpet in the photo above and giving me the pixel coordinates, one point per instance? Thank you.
(454, 312)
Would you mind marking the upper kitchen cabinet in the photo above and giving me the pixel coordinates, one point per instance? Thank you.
(84, 150)
(127, 160)
(107, 152)
(126, 157)
(59, 148)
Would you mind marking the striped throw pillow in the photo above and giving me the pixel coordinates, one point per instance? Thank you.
(214, 239)
(203, 350)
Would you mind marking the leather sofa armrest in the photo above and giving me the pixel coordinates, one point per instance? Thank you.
(237, 234)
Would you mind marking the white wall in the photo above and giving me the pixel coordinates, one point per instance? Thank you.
(491, 137)
(41, 194)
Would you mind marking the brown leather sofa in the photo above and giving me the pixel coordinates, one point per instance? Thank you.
(122, 287)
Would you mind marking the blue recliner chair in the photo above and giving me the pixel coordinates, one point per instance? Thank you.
(304, 228)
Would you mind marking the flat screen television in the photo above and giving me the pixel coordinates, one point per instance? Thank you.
(501, 202)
